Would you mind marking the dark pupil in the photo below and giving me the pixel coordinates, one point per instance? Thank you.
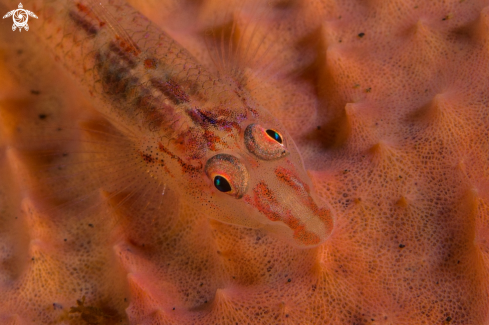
(274, 135)
(222, 184)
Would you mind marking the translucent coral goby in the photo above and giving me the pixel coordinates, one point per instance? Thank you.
(393, 130)
(200, 134)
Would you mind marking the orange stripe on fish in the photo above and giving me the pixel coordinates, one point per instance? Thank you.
(264, 200)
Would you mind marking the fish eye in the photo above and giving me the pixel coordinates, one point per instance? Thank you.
(222, 184)
(228, 174)
(274, 135)
(266, 144)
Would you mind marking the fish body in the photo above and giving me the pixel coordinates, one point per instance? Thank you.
(192, 130)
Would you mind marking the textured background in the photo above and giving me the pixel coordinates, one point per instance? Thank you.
(388, 103)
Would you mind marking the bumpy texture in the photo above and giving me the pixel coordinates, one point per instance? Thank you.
(388, 104)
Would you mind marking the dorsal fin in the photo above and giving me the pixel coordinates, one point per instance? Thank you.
(242, 47)
(236, 44)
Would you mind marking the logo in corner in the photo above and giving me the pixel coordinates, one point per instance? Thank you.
(20, 16)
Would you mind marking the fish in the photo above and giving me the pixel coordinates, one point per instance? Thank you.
(192, 129)
(90, 234)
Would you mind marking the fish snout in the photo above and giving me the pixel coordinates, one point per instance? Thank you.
(288, 201)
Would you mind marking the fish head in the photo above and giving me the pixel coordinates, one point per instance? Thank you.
(261, 182)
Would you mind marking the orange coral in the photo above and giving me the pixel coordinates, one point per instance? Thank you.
(388, 104)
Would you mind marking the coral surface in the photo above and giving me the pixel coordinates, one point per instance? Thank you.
(388, 103)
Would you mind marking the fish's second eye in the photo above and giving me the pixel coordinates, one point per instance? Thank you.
(266, 144)
(275, 135)
(222, 184)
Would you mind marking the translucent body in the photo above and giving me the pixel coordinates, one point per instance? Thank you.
(391, 126)
(153, 90)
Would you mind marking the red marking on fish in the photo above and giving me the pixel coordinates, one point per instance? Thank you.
(213, 140)
(86, 19)
(302, 191)
(150, 64)
(265, 201)
(171, 89)
(186, 168)
(128, 47)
